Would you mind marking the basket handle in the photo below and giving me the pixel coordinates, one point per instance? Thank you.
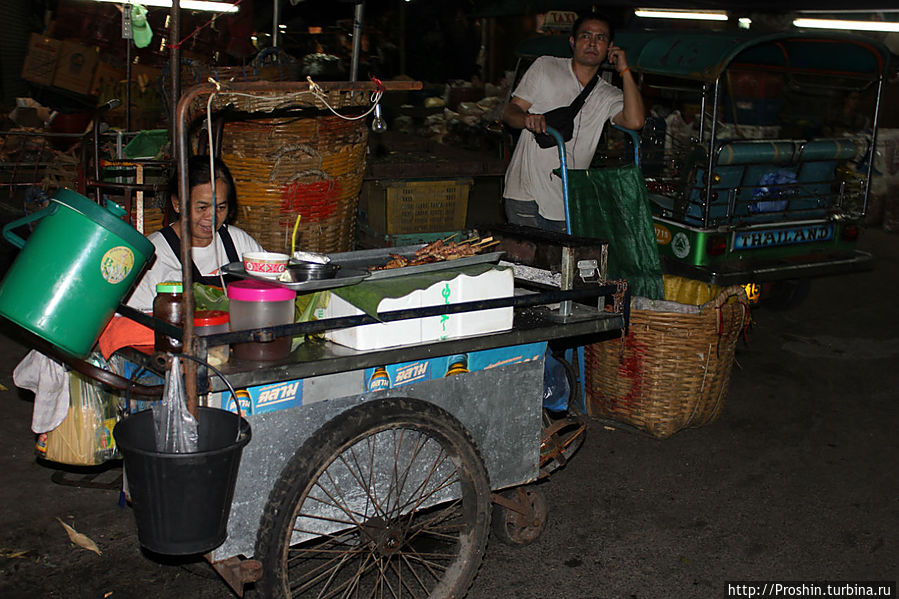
(286, 151)
(313, 172)
(728, 292)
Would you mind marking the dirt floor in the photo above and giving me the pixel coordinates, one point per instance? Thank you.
(798, 480)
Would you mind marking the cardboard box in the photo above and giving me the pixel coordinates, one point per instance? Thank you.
(40, 62)
(75, 67)
(106, 82)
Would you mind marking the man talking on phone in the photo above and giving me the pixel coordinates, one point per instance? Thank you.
(533, 195)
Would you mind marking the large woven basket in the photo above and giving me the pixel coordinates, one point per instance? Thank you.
(309, 166)
(672, 369)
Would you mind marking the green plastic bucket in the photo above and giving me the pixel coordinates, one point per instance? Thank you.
(73, 272)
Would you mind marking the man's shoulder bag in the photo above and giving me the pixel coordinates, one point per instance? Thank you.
(562, 118)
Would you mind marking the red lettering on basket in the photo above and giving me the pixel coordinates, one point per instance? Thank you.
(316, 201)
(630, 368)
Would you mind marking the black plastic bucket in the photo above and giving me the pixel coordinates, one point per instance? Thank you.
(182, 501)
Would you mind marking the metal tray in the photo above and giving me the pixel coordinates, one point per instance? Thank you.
(345, 276)
(365, 259)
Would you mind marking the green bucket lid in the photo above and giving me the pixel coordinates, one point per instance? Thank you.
(109, 219)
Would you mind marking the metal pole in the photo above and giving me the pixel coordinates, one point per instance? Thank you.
(710, 168)
(127, 85)
(276, 21)
(402, 12)
(175, 59)
(357, 40)
(873, 151)
(179, 139)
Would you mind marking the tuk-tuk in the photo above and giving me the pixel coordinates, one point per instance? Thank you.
(757, 152)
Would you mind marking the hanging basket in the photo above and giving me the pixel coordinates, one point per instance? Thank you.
(672, 369)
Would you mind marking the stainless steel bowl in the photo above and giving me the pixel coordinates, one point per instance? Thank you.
(299, 271)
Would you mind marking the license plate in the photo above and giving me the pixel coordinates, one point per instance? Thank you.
(765, 238)
(753, 292)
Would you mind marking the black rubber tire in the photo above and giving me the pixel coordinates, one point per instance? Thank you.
(382, 543)
(787, 294)
(512, 528)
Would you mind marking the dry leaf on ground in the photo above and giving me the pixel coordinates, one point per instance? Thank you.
(82, 540)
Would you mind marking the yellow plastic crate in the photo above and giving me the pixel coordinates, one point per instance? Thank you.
(426, 206)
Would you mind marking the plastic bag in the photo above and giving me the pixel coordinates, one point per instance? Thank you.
(555, 385)
(773, 192)
(176, 428)
(85, 436)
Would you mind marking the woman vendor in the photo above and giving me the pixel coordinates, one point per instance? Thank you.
(209, 217)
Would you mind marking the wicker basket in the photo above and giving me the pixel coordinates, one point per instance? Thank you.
(310, 165)
(671, 370)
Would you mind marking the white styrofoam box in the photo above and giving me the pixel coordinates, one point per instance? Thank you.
(463, 288)
(492, 284)
(375, 336)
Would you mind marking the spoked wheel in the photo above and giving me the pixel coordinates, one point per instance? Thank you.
(389, 499)
(519, 516)
(560, 438)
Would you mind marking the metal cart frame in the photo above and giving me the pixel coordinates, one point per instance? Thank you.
(396, 483)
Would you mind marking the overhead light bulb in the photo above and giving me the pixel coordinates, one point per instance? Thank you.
(378, 124)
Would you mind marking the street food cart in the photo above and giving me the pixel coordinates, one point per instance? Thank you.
(375, 469)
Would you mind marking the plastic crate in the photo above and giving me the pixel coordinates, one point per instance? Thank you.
(416, 206)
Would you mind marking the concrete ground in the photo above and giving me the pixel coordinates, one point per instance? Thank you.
(797, 481)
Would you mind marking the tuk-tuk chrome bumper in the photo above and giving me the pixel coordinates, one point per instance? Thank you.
(796, 267)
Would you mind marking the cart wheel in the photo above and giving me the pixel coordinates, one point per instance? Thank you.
(560, 439)
(390, 498)
(514, 527)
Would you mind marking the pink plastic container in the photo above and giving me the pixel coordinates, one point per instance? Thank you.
(256, 304)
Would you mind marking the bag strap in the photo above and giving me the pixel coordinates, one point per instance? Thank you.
(578, 102)
(168, 233)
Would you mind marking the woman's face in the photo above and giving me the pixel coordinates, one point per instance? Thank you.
(206, 218)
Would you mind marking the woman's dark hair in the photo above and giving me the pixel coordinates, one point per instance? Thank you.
(198, 174)
(593, 16)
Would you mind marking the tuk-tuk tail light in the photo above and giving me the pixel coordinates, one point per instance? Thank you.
(849, 233)
(716, 246)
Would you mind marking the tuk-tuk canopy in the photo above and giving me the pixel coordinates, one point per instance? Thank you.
(704, 55)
